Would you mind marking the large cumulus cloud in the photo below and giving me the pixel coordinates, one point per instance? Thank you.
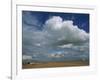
(57, 36)
(65, 30)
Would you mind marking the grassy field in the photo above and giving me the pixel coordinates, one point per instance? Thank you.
(55, 64)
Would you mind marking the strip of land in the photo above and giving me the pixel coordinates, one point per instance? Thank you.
(55, 64)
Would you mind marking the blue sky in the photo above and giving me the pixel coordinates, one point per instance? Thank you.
(49, 33)
(81, 20)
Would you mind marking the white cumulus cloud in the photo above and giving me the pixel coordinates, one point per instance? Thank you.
(60, 29)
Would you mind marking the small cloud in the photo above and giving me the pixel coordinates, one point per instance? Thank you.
(38, 44)
(66, 46)
(26, 57)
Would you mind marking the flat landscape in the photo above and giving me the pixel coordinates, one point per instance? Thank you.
(55, 64)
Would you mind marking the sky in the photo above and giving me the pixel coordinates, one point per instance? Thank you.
(55, 36)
